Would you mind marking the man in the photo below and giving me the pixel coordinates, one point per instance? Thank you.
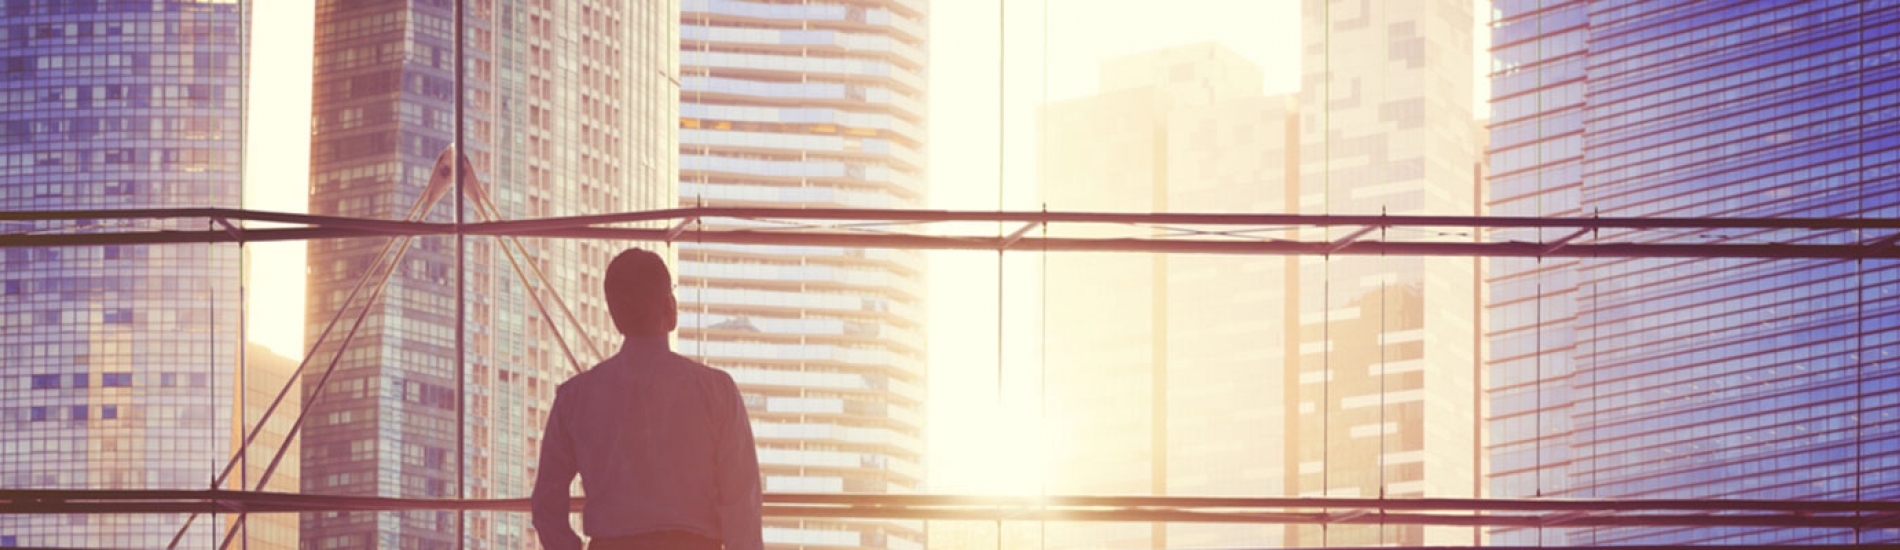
(661, 442)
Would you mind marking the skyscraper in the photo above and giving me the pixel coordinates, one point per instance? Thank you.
(1695, 378)
(815, 104)
(117, 363)
(570, 110)
(1385, 391)
(265, 374)
(1164, 372)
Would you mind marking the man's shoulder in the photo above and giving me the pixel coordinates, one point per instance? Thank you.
(670, 362)
(701, 371)
(573, 382)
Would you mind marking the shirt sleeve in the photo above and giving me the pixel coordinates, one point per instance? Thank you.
(741, 503)
(551, 497)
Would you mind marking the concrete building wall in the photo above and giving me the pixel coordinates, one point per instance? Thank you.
(818, 104)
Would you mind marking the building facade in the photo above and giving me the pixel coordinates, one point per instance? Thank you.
(1162, 378)
(118, 363)
(1384, 398)
(265, 374)
(569, 110)
(817, 104)
(1695, 378)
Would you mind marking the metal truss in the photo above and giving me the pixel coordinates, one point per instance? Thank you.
(1164, 233)
(1458, 512)
(1196, 233)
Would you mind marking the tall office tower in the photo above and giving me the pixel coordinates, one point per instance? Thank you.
(265, 373)
(1695, 378)
(569, 111)
(1386, 383)
(819, 104)
(117, 363)
(1164, 373)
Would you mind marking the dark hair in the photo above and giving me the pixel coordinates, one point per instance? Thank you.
(639, 293)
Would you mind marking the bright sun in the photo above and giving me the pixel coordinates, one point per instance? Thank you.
(997, 450)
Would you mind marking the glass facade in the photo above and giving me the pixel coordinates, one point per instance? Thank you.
(1383, 400)
(569, 110)
(118, 363)
(818, 104)
(1720, 378)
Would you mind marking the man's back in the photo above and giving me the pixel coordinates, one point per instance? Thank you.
(661, 443)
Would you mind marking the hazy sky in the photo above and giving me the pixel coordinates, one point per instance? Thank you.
(970, 426)
(277, 166)
(980, 441)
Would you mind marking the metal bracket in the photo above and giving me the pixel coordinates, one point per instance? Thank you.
(678, 228)
(1351, 238)
(230, 228)
(1558, 244)
(1018, 235)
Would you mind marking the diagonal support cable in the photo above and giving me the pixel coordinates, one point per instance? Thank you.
(316, 392)
(486, 207)
(251, 436)
(432, 193)
(439, 185)
(535, 294)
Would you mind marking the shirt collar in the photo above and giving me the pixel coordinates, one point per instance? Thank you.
(645, 344)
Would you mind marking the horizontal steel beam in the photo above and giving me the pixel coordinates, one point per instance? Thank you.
(1051, 244)
(235, 214)
(1188, 218)
(1025, 216)
(191, 237)
(589, 227)
(15, 496)
(1467, 512)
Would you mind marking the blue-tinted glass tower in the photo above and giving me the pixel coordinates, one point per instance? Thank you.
(1709, 378)
(815, 104)
(117, 363)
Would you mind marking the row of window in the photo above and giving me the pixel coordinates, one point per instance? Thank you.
(118, 380)
(858, 94)
(853, 42)
(75, 412)
(806, 13)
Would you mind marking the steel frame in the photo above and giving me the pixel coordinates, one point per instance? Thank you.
(1458, 512)
(1204, 233)
(1197, 233)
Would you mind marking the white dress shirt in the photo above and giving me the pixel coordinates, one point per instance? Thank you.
(661, 443)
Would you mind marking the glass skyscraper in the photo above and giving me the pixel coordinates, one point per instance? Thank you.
(570, 110)
(118, 363)
(1383, 399)
(817, 104)
(1705, 378)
